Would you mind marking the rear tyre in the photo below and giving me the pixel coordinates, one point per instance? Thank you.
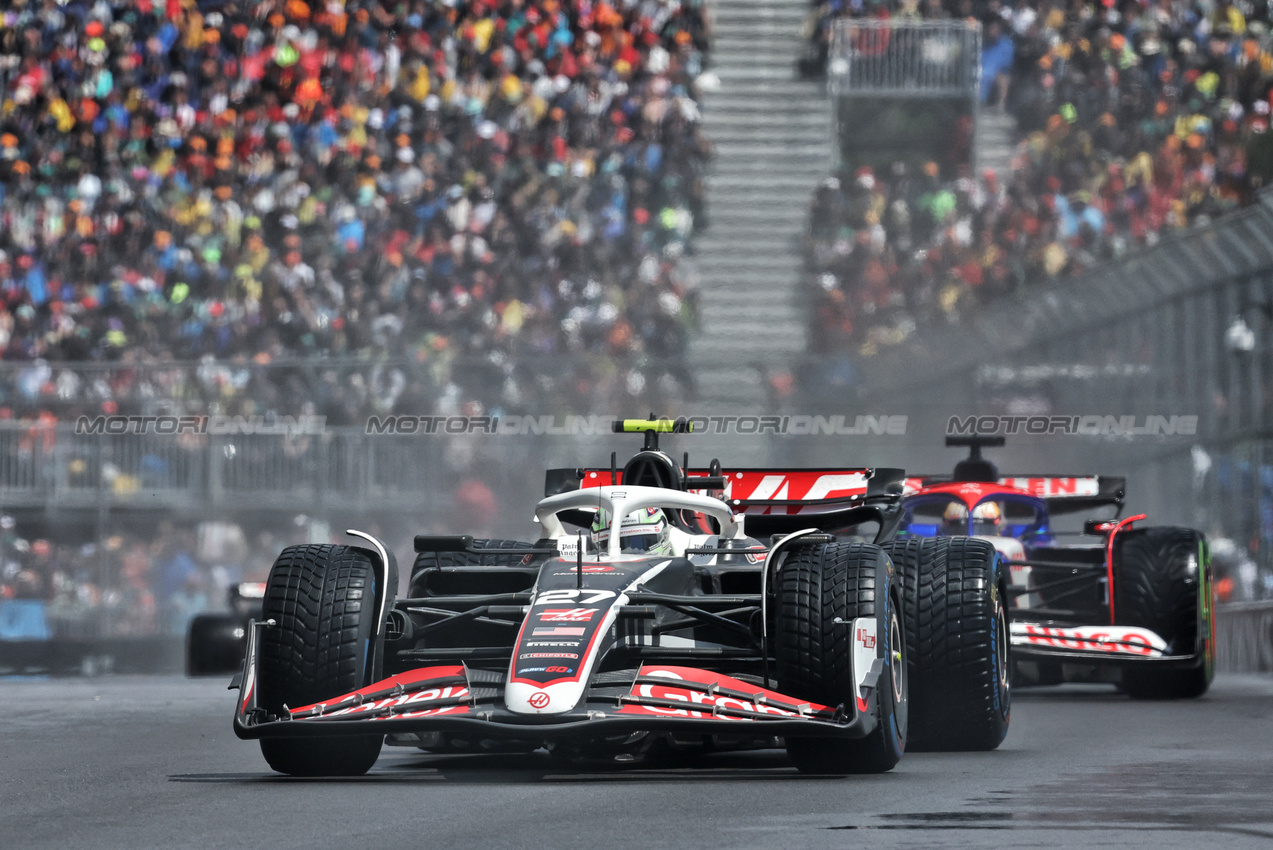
(428, 560)
(215, 644)
(955, 610)
(1162, 582)
(821, 590)
(323, 599)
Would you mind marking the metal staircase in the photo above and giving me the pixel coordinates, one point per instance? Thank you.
(772, 137)
(996, 141)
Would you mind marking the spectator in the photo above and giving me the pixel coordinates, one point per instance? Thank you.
(997, 53)
(1136, 122)
(259, 181)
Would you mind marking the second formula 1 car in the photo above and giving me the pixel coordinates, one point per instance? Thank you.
(215, 642)
(1129, 602)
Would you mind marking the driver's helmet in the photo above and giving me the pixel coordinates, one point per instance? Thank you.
(643, 532)
(956, 517)
(986, 518)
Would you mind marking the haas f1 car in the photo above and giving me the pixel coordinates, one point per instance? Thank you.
(661, 606)
(1129, 603)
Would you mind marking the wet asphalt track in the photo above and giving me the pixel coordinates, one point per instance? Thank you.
(124, 762)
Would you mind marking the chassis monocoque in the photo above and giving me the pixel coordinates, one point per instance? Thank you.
(1117, 601)
(801, 637)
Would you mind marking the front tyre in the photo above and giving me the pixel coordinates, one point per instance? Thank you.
(323, 599)
(1162, 582)
(821, 590)
(956, 612)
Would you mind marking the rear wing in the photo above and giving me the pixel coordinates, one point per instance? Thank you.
(757, 490)
(775, 501)
(1063, 493)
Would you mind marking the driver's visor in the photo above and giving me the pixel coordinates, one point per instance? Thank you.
(638, 538)
(637, 542)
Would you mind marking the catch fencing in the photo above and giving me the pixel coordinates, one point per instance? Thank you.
(56, 468)
(344, 389)
(904, 58)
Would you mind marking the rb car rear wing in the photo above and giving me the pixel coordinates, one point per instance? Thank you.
(1063, 493)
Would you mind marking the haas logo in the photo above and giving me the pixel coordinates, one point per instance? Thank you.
(566, 615)
(866, 638)
(539, 699)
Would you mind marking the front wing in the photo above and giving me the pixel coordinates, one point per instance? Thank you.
(648, 699)
(1106, 645)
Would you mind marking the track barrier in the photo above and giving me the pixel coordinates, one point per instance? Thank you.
(1244, 637)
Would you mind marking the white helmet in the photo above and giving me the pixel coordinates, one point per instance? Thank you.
(642, 532)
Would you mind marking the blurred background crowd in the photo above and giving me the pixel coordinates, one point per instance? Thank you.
(426, 183)
(148, 574)
(134, 583)
(352, 207)
(1135, 119)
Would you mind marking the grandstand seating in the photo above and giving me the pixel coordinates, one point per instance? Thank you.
(1136, 121)
(437, 182)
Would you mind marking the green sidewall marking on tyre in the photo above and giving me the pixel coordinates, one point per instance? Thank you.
(1207, 634)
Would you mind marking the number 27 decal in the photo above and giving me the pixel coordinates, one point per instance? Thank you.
(563, 595)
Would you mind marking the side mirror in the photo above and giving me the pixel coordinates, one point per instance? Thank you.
(443, 542)
(1099, 526)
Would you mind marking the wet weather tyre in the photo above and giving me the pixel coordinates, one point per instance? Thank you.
(954, 608)
(215, 644)
(1162, 583)
(821, 590)
(428, 560)
(323, 599)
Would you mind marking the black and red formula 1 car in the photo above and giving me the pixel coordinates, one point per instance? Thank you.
(1118, 600)
(646, 614)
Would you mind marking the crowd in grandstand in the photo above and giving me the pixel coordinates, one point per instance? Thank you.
(145, 580)
(374, 206)
(436, 182)
(125, 585)
(1137, 119)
